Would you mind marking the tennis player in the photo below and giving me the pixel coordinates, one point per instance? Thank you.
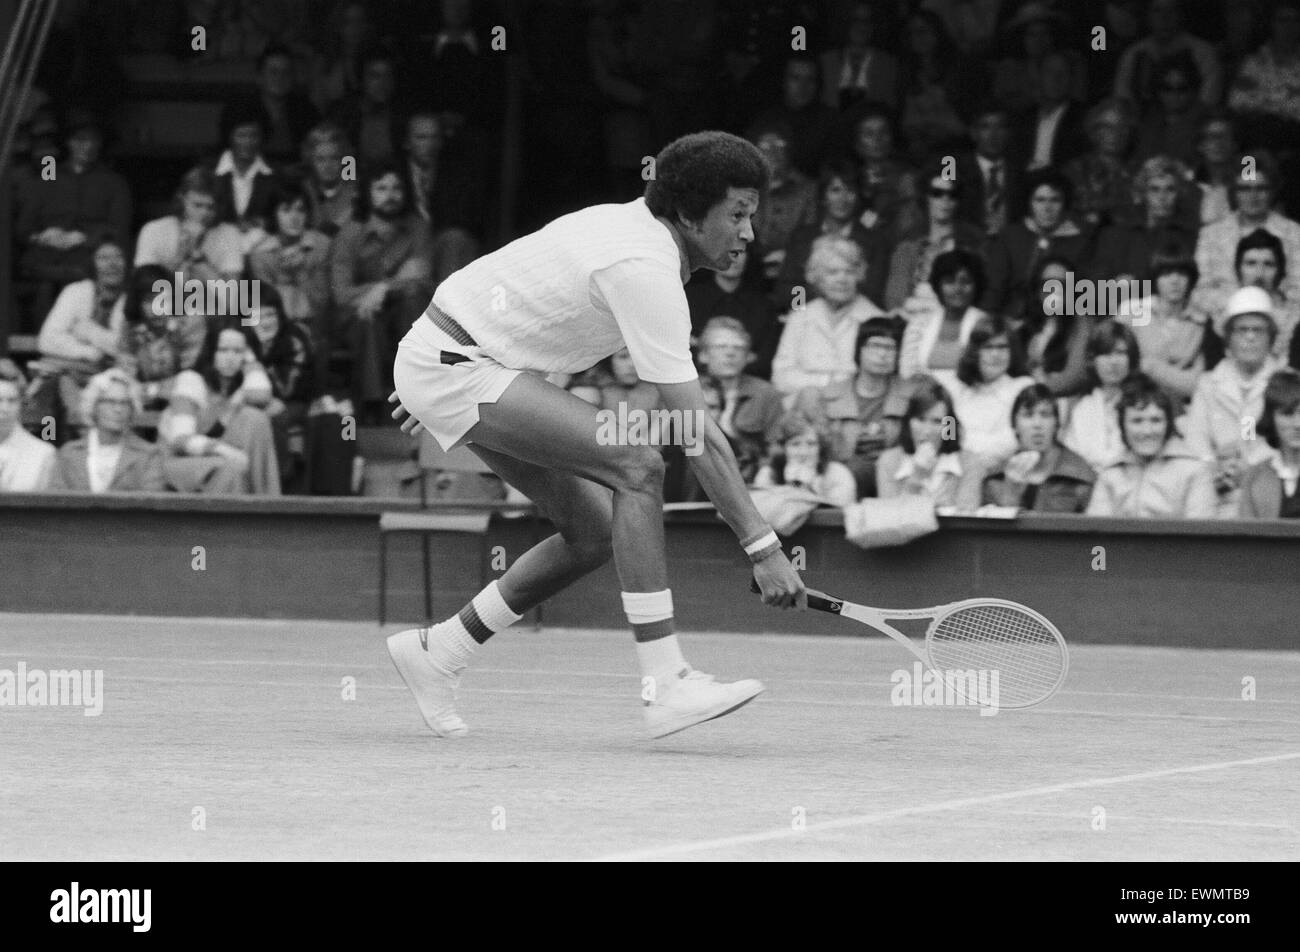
(560, 299)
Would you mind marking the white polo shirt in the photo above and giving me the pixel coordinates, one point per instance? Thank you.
(570, 294)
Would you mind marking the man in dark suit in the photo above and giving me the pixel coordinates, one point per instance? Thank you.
(373, 118)
(991, 184)
(287, 113)
(245, 180)
(447, 191)
(1052, 132)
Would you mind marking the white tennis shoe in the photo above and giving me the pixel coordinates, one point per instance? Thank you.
(434, 688)
(693, 698)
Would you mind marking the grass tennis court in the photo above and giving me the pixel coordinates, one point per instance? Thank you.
(247, 720)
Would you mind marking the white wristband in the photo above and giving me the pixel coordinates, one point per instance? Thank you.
(762, 542)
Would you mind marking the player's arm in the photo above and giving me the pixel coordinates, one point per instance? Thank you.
(715, 467)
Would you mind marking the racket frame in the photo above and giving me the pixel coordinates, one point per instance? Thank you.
(876, 618)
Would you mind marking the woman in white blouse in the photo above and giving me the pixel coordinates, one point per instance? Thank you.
(990, 375)
(937, 333)
(191, 240)
(1092, 426)
(817, 345)
(26, 463)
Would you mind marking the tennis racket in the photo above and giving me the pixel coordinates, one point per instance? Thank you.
(975, 634)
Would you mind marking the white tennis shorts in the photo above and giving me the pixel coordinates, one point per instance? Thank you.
(442, 395)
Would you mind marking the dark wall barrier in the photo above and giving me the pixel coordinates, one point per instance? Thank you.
(1206, 584)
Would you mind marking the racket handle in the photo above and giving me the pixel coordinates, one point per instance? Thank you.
(819, 601)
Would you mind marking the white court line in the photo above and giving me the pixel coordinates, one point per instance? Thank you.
(1182, 820)
(699, 846)
(622, 696)
(849, 637)
(540, 672)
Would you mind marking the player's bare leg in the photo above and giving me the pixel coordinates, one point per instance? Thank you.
(544, 441)
(430, 660)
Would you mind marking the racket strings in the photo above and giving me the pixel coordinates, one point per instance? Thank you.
(1025, 653)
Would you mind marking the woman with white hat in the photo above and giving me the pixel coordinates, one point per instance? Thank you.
(1229, 400)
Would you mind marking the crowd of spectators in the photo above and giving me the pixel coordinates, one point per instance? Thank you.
(945, 175)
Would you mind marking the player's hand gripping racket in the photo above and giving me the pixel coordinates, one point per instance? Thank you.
(980, 634)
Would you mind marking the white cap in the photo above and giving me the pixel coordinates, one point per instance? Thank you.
(1250, 300)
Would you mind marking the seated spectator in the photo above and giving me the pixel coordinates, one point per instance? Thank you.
(382, 281)
(1048, 230)
(938, 329)
(1102, 177)
(1170, 125)
(290, 364)
(939, 231)
(215, 430)
(790, 200)
(1041, 475)
(60, 222)
(990, 375)
(191, 240)
(336, 68)
(1035, 30)
(861, 415)
(463, 72)
(937, 81)
(26, 463)
(887, 182)
(446, 191)
(371, 118)
(751, 410)
(109, 458)
(812, 123)
(862, 70)
(1175, 338)
(1092, 427)
(82, 334)
(1136, 76)
(1158, 477)
(295, 260)
(816, 347)
(625, 92)
(801, 459)
(928, 460)
(1264, 91)
(1268, 489)
(331, 199)
(1051, 132)
(991, 184)
(1233, 392)
(585, 386)
(286, 112)
(1261, 262)
(1055, 340)
(838, 192)
(1216, 165)
(622, 385)
(680, 482)
(732, 293)
(245, 181)
(1252, 202)
(1154, 219)
(158, 344)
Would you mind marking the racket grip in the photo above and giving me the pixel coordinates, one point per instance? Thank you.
(819, 601)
